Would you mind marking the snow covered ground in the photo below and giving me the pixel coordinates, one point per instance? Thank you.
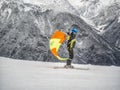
(34, 75)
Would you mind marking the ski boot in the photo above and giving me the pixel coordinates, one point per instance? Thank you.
(68, 66)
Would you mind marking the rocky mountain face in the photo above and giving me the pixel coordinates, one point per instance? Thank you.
(98, 13)
(25, 30)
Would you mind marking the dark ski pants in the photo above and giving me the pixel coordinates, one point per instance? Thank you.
(70, 56)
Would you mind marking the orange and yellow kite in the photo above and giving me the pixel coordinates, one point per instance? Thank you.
(56, 41)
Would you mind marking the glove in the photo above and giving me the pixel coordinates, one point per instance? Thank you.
(68, 33)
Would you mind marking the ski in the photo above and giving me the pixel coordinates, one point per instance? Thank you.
(76, 68)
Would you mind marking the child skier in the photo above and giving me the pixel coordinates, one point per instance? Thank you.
(71, 44)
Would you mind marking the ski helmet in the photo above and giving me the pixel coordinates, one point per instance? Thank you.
(74, 30)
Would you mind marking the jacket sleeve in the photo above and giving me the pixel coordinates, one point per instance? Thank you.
(72, 43)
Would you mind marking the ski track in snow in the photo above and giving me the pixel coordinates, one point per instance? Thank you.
(34, 75)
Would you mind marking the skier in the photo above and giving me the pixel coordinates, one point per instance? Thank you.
(71, 40)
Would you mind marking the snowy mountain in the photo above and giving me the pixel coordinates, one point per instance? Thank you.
(25, 30)
(98, 13)
(33, 75)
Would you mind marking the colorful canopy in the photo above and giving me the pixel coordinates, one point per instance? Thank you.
(56, 41)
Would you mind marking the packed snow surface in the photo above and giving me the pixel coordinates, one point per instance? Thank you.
(34, 75)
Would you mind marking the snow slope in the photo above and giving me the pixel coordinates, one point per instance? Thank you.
(34, 75)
